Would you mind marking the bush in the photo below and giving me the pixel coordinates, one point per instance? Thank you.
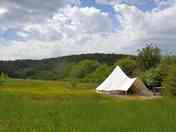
(165, 64)
(169, 83)
(151, 77)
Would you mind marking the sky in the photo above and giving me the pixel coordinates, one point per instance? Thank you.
(37, 29)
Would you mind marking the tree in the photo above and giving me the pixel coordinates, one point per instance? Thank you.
(151, 77)
(100, 74)
(80, 70)
(169, 83)
(165, 64)
(128, 65)
(149, 57)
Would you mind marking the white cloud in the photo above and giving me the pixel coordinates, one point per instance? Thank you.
(22, 34)
(106, 2)
(74, 20)
(162, 4)
(3, 11)
(72, 30)
(155, 26)
(22, 12)
(76, 30)
(29, 49)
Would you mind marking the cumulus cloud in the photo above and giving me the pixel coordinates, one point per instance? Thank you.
(3, 11)
(156, 26)
(22, 12)
(69, 29)
(73, 22)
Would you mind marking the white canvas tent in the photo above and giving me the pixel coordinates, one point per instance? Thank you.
(119, 83)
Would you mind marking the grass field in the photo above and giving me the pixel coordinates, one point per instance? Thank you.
(46, 106)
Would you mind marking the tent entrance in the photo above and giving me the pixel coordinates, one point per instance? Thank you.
(116, 92)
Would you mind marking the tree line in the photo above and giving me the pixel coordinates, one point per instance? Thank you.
(155, 69)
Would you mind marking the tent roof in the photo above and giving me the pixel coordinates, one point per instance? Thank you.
(117, 80)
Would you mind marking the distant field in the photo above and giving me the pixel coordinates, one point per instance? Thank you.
(48, 106)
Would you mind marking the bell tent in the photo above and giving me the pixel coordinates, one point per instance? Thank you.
(119, 83)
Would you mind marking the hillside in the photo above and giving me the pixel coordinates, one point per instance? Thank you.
(54, 68)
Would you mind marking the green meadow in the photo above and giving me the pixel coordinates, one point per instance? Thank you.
(57, 106)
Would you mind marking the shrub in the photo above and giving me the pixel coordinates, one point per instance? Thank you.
(165, 64)
(169, 83)
(151, 77)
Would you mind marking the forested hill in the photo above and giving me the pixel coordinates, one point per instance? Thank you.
(57, 68)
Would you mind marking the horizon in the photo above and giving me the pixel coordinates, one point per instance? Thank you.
(31, 30)
(68, 56)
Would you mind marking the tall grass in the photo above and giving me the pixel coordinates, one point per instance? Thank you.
(26, 107)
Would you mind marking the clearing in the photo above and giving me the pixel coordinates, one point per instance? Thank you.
(57, 106)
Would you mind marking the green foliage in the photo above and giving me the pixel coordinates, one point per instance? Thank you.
(73, 83)
(151, 77)
(128, 65)
(149, 57)
(169, 83)
(43, 75)
(100, 74)
(3, 78)
(80, 70)
(54, 68)
(165, 64)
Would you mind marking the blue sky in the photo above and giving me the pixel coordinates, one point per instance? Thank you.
(103, 7)
(35, 30)
(145, 5)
